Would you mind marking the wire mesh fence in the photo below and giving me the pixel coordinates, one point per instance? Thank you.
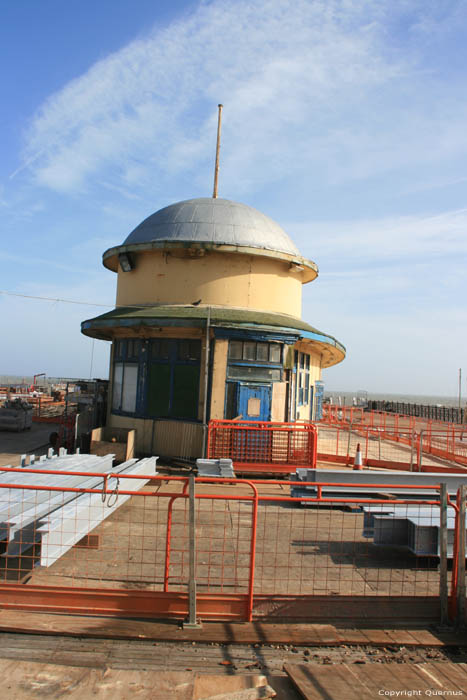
(251, 538)
(262, 446)
(415, 451)
(431, 439)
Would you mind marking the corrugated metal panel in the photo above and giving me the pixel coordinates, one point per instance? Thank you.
(178, 439)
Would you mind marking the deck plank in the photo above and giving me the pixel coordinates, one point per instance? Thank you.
(115, 628)
(367, 681)
(450, 676)
(314, 682)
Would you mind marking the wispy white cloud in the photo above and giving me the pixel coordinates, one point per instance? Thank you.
(304, 82)
(321, 96)
(413, 238)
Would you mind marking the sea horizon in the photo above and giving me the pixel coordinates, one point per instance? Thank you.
(345, 396)
(423, 399)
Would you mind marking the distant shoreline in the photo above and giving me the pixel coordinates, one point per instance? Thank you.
(421, 399)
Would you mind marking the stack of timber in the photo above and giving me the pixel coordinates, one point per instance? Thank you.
(58, 519)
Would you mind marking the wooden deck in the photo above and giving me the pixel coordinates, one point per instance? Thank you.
(316, 635)
(364, 682)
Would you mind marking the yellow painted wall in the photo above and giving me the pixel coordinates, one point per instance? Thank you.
(218, 279)
(218, 379)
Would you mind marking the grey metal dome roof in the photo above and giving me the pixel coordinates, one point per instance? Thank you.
(218, 221)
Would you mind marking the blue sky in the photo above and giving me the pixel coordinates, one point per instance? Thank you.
(344, 120)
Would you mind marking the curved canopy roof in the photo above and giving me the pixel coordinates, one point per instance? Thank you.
(217, 221)
(136, 319)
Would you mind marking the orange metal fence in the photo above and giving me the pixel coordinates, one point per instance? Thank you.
(379, 419)
(263, 446)
(426, 449)
(259, 551)
(385, 440)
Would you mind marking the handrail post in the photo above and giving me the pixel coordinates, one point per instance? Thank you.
(460, 617)
(420, 451)
(192, 622)
(348, 442)
(412, 436)
(443, 555)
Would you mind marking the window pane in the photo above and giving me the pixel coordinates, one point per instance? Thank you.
(133, 348)
(158, 392)
(307, 362)
(183, 349)
(255, 373)
(231, 400)
(302, 360)
(160, 349)
(275, 352)
(188, 350)
(249, 351)
(235, 349)
(130, 384)
(185, 392)
(262, 352)
(195, 350)
(117, 386)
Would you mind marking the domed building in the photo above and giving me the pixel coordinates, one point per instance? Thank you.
(208, 325)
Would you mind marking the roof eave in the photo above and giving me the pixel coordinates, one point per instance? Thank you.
(298, 264)
(101, 328)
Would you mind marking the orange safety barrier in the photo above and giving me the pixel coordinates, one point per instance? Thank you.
(259, 552)
(386, 446)
(268, 447)
(354, 415)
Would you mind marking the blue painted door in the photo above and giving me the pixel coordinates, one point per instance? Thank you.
(254, 402)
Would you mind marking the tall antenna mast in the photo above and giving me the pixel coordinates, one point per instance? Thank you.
(218, 148)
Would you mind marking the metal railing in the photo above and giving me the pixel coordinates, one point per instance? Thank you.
(429, 449)
(232, 549)
(262, 446)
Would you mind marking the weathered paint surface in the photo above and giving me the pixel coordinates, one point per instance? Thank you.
(218, 378)
(217, 279)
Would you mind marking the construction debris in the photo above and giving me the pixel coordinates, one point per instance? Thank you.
(15, 415)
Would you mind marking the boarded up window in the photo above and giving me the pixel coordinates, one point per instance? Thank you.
(254, 407)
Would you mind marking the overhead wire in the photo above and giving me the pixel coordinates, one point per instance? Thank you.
(74, 301)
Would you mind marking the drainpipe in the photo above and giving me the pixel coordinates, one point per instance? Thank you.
(206, 377)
